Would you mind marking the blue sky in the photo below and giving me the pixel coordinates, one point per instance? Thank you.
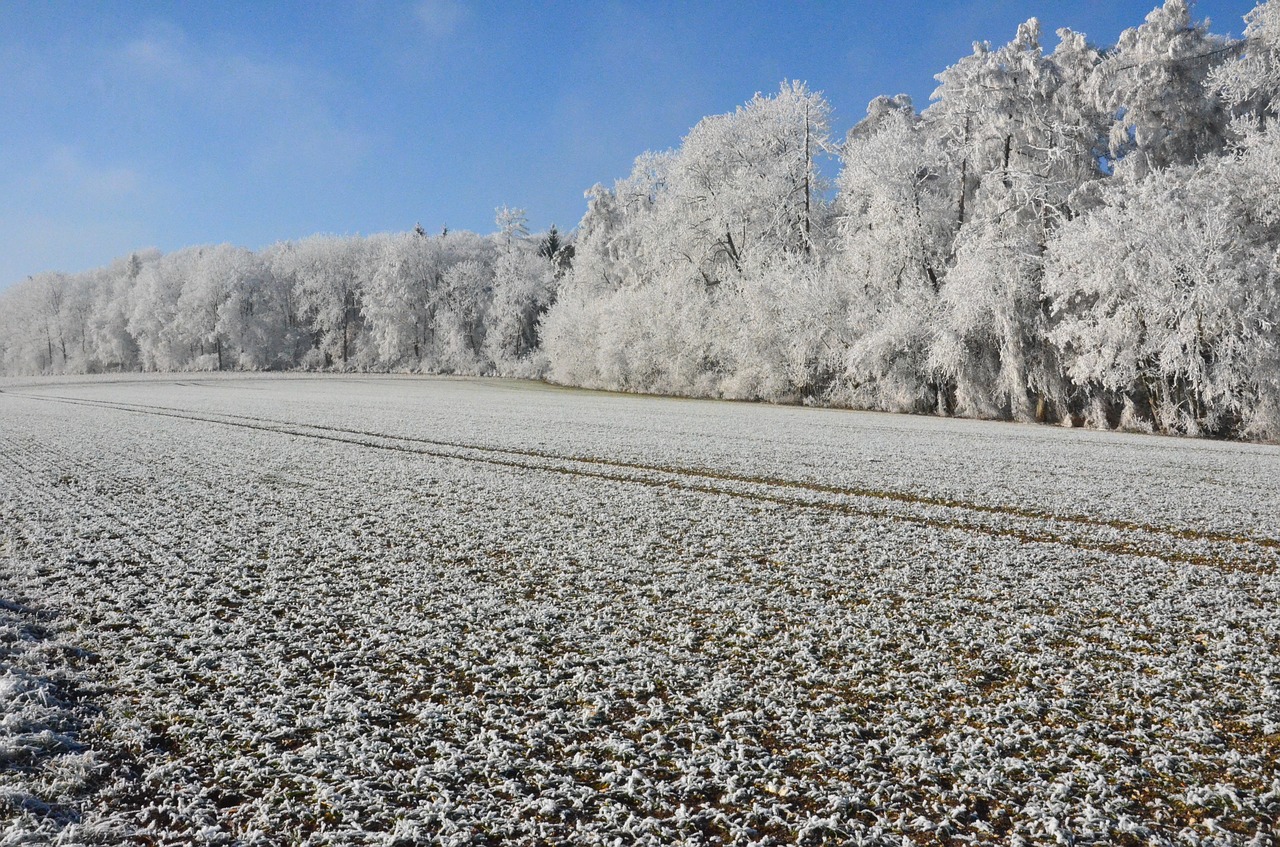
(135, 124)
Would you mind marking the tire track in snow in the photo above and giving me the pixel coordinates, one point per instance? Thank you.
(1186, 545)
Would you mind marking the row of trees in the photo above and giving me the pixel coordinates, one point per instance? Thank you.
(1083, 235)
(456, 302)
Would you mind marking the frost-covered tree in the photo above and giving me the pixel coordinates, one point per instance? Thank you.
(1168, 302)
(466, 290)
(619, 244)
(255, 321)
(114, 347)
(1168, 294)
(618, 253)
(402, 296)
(744, 189)
(523, 289)
(513, 223)
(665, 257)
(31, 322)
(895, 229)
(153, 319)
(55, 294)
(1153, 83)
(328, 273)
(207, 283)
(524, 282)
(1251, 83)
(1022, 139)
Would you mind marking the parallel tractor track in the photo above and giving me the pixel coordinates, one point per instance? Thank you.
(1235, 552)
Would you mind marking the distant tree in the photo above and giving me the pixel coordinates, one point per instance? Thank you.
(328, 274)
(466, 290)
(551, 246)
(153, 318)
(401, 297)
(523, 287)
(512, 223)
(208, 283)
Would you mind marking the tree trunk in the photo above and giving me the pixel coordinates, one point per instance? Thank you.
(1008, 152)
(964, 172)
(808, 168)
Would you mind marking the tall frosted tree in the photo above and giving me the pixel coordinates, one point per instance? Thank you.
(666, 258)
(895, 225)
(587, 333)
(524, 284)
(1022, 140)
(466, 290)
(744, 189)
(1168, 302)
(35, 324)
(1251, 83)
(115, 348)
(1168, 294)
(255, 321)
(207, 284)
(328, 273)
(402, 296)
(153, 318)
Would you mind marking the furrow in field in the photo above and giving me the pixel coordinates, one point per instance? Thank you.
(1174, 544)
(131, 575)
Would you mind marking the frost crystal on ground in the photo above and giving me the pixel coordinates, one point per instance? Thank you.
(261, 610)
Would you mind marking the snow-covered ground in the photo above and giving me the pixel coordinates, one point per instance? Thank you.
(397, 610)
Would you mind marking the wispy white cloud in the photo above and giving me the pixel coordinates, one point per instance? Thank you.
(164, 55)
(64, 241)
(66, 209)
(282, 113)
(441, 18)
(66, 171)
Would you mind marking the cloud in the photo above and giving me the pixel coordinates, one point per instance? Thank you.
(441, 18)
(66, 172)
(163, 56)
(276, 114)
(63, 209)
(63, 241)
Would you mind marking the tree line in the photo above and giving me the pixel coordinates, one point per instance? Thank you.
(1084, 235)
(455, 302)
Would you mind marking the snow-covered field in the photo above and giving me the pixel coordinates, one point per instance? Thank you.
(395, 610)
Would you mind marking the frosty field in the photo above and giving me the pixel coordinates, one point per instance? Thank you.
(398, 610)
